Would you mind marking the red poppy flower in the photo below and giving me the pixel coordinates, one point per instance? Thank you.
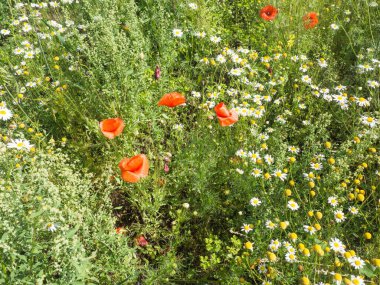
(310, 20)
(225, 117)
(268, 13)
(132, 169)
(141, 241)
(172, 99)
(111, 128)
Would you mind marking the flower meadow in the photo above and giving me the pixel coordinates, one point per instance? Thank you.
(189, 142)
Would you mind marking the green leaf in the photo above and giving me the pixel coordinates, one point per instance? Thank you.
(36, 214)
(5, 236)
(72, 232)
(61, 39)
(368, 270)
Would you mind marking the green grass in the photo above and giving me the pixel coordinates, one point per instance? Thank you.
(63, 198)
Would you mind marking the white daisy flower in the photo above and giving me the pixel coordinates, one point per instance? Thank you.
(333, 201)
(274, 245)
(241, 153)
(309, 176)
(26, 28)
(339, 216)
(246, 228)
(270, 225)
(196, 94)
(340, 99)
(357, 280)
(254, 156)
(177, 33)
(316, 166)
(220, 58)
(336, 245)
(356, 262)
(236, 71)
(51, 227)
(322, 62)
(292, 205)
(373, 83)
(290, 257)
(306, 79)
(353, 210)
(18, 51)
(5, 32)
(340, 87)
(215, 39)
(294, 58)
(279, 174)
(368, 121)
(262, 268)
(256, 172)
(304, 68)
(255, 202)
(293, 149)
(362, 102)
(5, 114)
(200, 34)
(269, 159)
(309, 229)
(20, 144)
(29, 54)
(193, 6)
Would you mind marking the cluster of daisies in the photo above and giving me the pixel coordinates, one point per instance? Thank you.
(338, 209)
(344, 96)
(255, 93)
(252, 90)
(31, 29)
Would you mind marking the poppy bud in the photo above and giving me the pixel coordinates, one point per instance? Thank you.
(141, 241)
(167, 159)
(157, 73)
